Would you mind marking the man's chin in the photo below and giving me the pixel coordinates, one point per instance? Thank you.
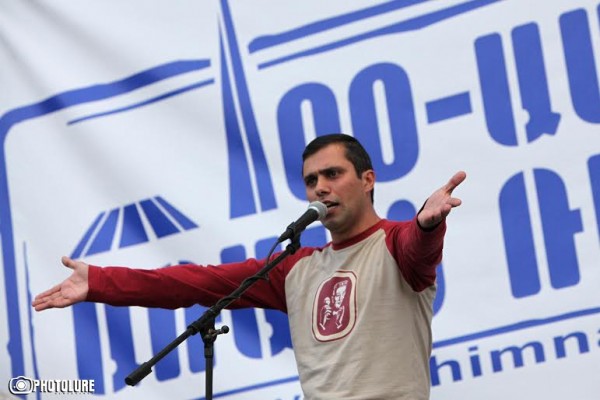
(331, 224)
(328, 223)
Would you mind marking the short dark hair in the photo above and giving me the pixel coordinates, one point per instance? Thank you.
(355, 152)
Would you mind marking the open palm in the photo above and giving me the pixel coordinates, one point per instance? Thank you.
(72, 290)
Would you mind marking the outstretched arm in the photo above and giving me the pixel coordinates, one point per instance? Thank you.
(72, 290)
(440, 203)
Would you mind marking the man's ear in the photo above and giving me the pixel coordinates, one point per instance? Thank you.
(368, 179)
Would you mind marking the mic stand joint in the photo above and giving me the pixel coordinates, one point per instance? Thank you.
(209, 336)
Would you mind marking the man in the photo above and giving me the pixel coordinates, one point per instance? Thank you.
(380, 348)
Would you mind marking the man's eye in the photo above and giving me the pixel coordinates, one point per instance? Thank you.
(310, 182)
(333, 173)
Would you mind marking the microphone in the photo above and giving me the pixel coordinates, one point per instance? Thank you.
(316, 211)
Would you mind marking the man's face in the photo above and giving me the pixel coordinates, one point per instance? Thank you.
(340, 293)
(330, 178)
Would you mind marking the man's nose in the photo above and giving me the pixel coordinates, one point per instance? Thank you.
(321, 188)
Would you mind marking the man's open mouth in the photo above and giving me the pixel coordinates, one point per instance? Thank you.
(331, 204)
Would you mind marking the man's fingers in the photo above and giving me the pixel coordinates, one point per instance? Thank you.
(50, 300)
(47, 293)
(40, 303)
(454, 202)
(43, 301)
(68, 262)
(48, 304)
(456, 180)
(41, 306)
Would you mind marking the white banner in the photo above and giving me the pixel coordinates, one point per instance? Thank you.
(149, 133)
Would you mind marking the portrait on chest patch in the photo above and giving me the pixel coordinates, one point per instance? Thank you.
(334, 308)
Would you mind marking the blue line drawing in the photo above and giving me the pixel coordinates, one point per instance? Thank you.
(47, 106)
(162, 97)
(531, 323)
(36, 373)
(157, 211)
(267, 41)
(411, 24)
(266, 192)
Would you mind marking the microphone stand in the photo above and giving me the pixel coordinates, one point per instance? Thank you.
(205, 325)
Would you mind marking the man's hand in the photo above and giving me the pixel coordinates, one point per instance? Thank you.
(440, 203)
(72, 290)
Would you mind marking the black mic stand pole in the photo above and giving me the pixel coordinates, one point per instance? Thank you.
(209, 336)
(206, 323)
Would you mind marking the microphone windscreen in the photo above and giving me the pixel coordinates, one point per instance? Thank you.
(320, 208)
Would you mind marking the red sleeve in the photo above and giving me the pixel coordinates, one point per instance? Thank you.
(416, 251)
(186, 285)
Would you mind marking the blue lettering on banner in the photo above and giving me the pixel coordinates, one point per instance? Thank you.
(515, 356)
(496, 94)
(448, 107)
(533, 82)
(533, 85)
(495, 90)
(245, 332)
(87, 344)
(581, 67)
(163, 332)
(118, 323)
(518, 238)
(400, 115)
(594, 171)
(399, 112)
(559, 225)
(532, 79)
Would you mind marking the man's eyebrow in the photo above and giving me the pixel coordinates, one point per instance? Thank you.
(320, 172)
(332, 168)
(324, 171)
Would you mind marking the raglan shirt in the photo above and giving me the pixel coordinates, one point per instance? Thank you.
(359, 311)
